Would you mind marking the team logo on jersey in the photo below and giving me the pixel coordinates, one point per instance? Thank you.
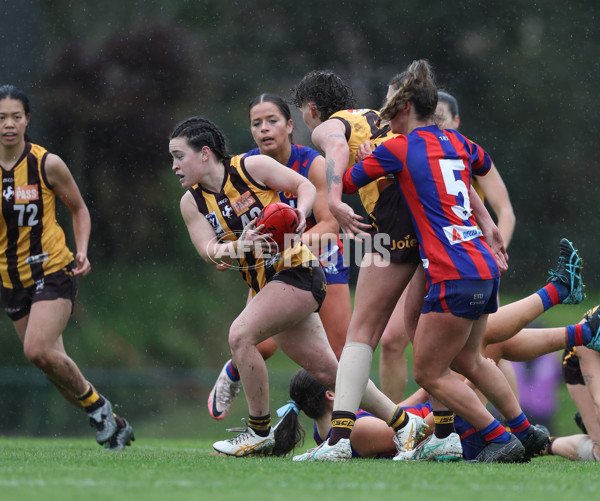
(457, 234)
(215, 223)
(227, 212)
(38, 258)
(242, 203)
(27, 193)
(8, 193)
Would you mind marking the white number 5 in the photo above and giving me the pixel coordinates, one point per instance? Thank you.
(456, 186)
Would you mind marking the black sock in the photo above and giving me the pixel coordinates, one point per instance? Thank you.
(444, 423)
(342, 423)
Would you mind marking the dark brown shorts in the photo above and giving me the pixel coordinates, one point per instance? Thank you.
(307, 278)
(392, 217)
(570, 367)
(60, 284)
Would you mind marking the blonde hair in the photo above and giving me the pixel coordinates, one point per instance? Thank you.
(417, 85)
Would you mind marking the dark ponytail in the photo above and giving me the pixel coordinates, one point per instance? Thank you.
(308, 395)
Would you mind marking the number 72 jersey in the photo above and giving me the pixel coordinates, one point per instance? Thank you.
(433, 170)
(32, 244)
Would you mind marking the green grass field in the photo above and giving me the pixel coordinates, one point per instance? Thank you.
(154, 469)
(173, 458)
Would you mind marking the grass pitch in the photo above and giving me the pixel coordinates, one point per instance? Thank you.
(65, 469)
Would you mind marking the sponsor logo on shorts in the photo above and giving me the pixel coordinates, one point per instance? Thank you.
(39, 285)
(477, 299)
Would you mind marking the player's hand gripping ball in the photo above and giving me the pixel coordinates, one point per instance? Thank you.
(279, 219)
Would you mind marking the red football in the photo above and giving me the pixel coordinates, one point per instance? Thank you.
(279, 219)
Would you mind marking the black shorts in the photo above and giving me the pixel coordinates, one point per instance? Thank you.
(570, 367)
(60, 284)
(307, 278)
(391, 217)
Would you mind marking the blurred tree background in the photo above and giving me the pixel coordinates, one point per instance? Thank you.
(109, 80)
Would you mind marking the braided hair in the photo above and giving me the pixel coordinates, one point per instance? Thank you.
(417, 85)
(327, 90)
(201, 132)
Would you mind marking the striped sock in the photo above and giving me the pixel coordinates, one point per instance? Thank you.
(495, 432)
(91, 400)
(519, 426)
(398, 420)
(553, 294)
(261, 425)
(232, 371)
(579, 335)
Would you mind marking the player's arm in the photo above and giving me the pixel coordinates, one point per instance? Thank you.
(372, 167)
(205, 239)
(490, 230)
(62, 182)
(329, 137)
(327, 227)
(276, 176)
(497, 196)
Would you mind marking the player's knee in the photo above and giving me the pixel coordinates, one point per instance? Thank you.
(36, 355)
(423, 375)
(240, 337)
(393, 343)
(325, 376)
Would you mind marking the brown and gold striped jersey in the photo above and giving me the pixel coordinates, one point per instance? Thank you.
(360, 125)
(240, 200)
(32, 244)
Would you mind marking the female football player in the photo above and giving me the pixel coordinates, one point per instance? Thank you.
(433, 169)
(39, 273)
(271, 126)
(223, 197)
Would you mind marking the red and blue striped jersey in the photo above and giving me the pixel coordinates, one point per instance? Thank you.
(433, 170)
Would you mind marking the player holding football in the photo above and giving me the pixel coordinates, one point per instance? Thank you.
(271, 126)
(288, 289)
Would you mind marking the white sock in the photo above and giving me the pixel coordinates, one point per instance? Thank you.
(352, 376)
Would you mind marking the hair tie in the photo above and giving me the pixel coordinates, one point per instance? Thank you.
(284, 410)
